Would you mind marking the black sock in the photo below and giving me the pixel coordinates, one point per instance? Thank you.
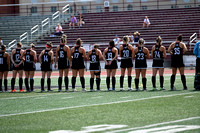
(66, 83)
(42, 84)
(60, 83)
(20, 83)
(172, 80)
(91, 83)
(82, 79)
(108, 82)
(98, 80)
(144, 82)
(153, 79)
(183, 79)
(161, 81)
(31, 83)
(26, 84)
(6, 84)
(0, 84)
(49, 83)
(129, 81)
(113, 82)
(73, 82)
(12, 83)
(136, 83)
(121, 81)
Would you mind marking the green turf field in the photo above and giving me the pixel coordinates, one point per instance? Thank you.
(114, 111)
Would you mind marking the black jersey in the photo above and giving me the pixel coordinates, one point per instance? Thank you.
(126, 57)
(140, 60)
(77, 60)
(158, 59)
(29, 64)
(17, 60)
(177, 56)
(63, 62)
(94, 61)
(109, 56)
(46, 61)
(3, 62)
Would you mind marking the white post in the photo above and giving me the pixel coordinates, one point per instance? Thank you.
(44, 23)
(24, 36)
(33, 30)
(12, 44)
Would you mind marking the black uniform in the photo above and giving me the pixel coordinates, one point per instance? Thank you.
(94, 61)
(3, 62)
(29, 64)
(77, 60)
(126, 59)
(157, 58)
(109, 56)
(140, 60)
(63, 62)
(46, 61)
(177, 56)
(17, 60)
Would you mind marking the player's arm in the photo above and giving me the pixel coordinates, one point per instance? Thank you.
(116, 54)
(120, 49)
(88, 55)
(40, 57)
(170, 49)
(164, 52)
(184, 48)
(69, 54)
(8, 60)
(22, 59)
(56, 58)
(104, 54)
(12, 56)
(34, 56)
(100, 54)
(134, 51)
(153, 48)
(147, 53)
(84, 53)
(51, 54)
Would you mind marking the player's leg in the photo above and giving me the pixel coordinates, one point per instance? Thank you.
(14, 75)
(137, 75)
(113, 71)
(31, 75)
(66, 72)
(60, 79)
(161, 72)
(42, 81)
(129, 78)
(49, 80)
(108, 71)
(98, 79)
(92, 80)
(82, 79)
(74, 75)
(183, 79)
(173, 77)
(144, 79)
(5, 75)
(1, 77)
(26, 80)
(20, 80)
(153, 78)
(122, 78)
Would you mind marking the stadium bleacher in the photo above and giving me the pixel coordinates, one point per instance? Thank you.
(102, 27)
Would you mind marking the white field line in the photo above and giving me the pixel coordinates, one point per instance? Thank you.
(81, 106)
(125, 97)
(188, 96)
(97, 97)
(153, 125)
(67, 97)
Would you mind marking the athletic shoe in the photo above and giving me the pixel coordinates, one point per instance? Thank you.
(162, 88)
(21, 90)
(144, 89)
(130, 89)
(59, 90)
(173, 89)
(67, 90)
(74, 89)
(1, 90)
(13, 90)
(50, 90)
(185, 88)
(92, 90)
(121, 89)
(154, 89)
(42, 90)
(109, 89)
(84, 90)
(113, 89)
(137, 89)
(98, 90)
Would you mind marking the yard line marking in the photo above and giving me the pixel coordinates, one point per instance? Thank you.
(97, 97)
(153, 125)
(126, 97)
(11, 98)
(67, 97)
(72, 107)
(188, 96)
(39, 97)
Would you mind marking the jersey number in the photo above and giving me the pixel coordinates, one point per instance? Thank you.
(125, 53)
(46, 58)
(177, 51)
(1, 60)
(76, 55)
(94, 58)
(61, 54)
(157, 54)
(109, 56)
(28, 58)
(140, 56)
(17, 56)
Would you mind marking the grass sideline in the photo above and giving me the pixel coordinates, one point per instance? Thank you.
(44, 112)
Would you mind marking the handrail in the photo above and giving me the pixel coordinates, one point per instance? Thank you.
(55, 16)
(24, 36)
(192, 38)
(44, 23)
(33, 30)
(12, 44)
(65, 9)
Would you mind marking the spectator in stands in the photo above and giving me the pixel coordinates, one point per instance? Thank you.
(136, 36)
(1, 41)
(117, 41)
(196, 51)
(59, 31)
(131, 37)
(81, 21)
(72, 22)
(146, 22)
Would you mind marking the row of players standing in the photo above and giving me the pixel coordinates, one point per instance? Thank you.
(75, 57)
